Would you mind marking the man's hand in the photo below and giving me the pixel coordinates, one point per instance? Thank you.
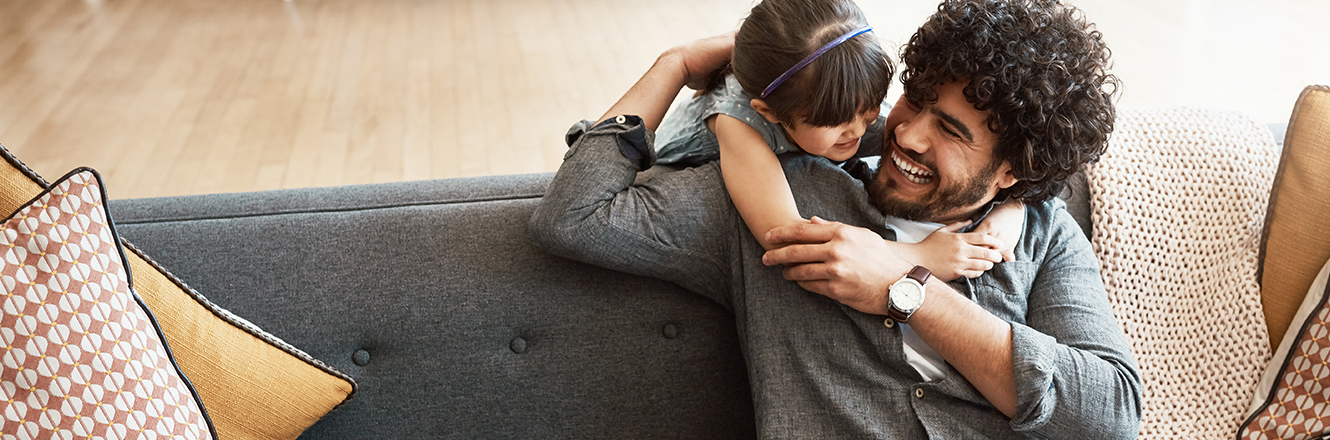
(699, 58)
(685, 64)
(848, 264)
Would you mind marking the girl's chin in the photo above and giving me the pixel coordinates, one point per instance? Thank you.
(841, 152)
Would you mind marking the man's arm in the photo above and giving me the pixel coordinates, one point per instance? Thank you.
(672, 227)
(853, 266)
(687, 64)
(1050, 376)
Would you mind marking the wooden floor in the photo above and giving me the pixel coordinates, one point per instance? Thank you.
(170, 97)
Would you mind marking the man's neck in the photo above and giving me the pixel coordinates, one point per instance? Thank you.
(978, 213)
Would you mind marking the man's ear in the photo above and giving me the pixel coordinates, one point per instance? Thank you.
(1005, 178)
(765, 110)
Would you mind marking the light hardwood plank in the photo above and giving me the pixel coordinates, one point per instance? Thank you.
(195, 96)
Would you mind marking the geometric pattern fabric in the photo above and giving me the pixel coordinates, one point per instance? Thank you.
(80, 355)
(1297, 405)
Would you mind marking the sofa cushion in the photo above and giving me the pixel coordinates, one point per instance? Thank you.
(254, 385)
(82, 355)
(1290, 400)
(1295, 244)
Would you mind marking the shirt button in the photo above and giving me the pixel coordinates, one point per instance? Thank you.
(890, 323)
(620, 119)
(919, 392)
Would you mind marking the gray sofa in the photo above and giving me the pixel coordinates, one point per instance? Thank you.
(434, 298)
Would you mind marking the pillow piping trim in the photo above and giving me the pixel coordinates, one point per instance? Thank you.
(23, 168)
(1289, 140)
(129, 277)
(217, 311)
(248, 327)
(1288, 358)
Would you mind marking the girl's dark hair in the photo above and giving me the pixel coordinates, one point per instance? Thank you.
(848, 79)
(1038, 69)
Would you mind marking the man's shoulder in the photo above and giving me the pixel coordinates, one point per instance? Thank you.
(816, 173)
(825, 189)
(1051, 230)
(1051, 215)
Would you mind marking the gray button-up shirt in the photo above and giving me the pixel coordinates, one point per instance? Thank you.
(819, 369)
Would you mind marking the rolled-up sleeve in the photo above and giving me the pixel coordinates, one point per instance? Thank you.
(676, 226)
(1075, 375)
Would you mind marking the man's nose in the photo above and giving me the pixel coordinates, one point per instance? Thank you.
(910, 136)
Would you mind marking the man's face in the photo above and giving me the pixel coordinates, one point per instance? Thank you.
(937, 160)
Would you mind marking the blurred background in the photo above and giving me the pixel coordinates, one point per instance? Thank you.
(173, 97)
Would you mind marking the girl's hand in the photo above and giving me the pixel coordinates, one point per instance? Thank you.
(951, 255)
(1005, 224)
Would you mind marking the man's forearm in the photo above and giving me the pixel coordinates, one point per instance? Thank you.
(972, 340)
(1064, 347)
(651, 96)
(687, 64)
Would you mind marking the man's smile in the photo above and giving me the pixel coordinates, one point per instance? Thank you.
(910, 169)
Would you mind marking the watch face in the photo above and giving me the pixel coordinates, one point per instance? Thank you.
(907, 295)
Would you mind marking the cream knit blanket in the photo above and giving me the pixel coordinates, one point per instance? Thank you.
(1179, 202)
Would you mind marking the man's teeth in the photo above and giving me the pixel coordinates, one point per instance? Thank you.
(912, 173)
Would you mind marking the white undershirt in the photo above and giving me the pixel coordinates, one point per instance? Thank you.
(927, 362)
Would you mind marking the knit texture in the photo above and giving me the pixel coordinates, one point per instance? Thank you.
(1179, 201)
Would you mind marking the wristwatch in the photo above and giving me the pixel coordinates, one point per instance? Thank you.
(907, 295)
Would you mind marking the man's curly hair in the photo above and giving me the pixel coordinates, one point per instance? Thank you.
(1037, 67)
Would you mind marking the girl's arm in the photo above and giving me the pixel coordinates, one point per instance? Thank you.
(1005, 223)
(754, 178)
(950, 254)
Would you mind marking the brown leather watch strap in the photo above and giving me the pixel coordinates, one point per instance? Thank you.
(920, 274)
(897, 315)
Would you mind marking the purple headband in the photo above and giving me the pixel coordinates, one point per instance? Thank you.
(813, 56)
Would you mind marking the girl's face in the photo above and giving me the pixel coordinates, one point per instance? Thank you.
(836, 143)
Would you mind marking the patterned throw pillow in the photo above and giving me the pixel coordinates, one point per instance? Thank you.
(1293, 398)
(80, 355)
(255, 385)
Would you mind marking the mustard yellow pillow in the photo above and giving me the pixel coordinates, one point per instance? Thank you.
(1295, 244)
(254, 385)
(1289, 402)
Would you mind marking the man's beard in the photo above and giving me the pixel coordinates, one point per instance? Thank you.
(882, 194)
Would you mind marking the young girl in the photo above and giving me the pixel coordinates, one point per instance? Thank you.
(806, 75)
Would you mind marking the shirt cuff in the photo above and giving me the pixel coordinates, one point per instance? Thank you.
(1034, 356)
(634, 139)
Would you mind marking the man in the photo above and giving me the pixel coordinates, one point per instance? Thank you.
(1002, 99)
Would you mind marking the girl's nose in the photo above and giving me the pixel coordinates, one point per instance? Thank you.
(859, 126)
(856, 129)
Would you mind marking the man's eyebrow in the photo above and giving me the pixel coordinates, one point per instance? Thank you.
(960, 126)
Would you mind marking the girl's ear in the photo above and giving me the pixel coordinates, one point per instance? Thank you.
(764, 110)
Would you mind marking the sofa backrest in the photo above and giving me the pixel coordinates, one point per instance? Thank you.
(433, 297)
